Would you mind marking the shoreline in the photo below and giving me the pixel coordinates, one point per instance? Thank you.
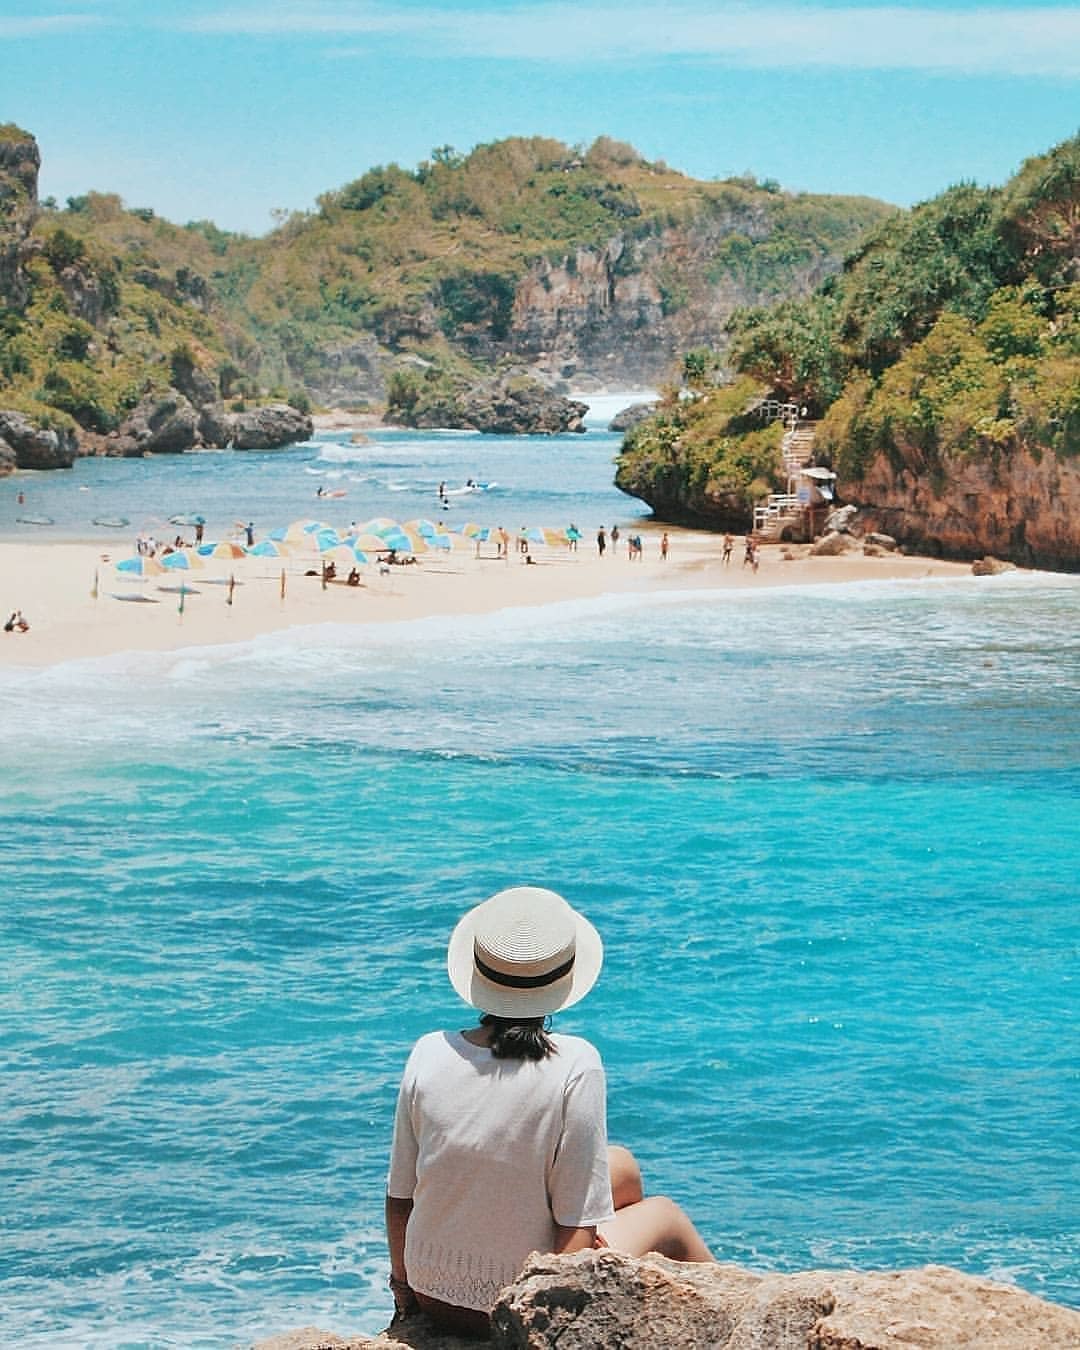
(53, 583)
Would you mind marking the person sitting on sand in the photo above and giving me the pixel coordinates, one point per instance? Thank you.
(17, 624)
(9, 627)
(353, 579)
(500, 1135)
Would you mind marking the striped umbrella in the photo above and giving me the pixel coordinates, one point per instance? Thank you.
(181, 561)
(223, 549)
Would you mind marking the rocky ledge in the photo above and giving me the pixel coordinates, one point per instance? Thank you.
(601, 1299)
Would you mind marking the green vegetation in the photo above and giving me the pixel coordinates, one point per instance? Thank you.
(703, 457)
(422, 261)
(953, 331)
(980, 281)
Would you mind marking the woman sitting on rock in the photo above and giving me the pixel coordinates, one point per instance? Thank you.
(500, 1137)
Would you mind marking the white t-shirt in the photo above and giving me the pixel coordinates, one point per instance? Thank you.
(493, 1153)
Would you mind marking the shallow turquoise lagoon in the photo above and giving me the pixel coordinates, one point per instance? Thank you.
(829, 836)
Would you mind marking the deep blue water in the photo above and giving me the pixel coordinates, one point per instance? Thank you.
(829, 836)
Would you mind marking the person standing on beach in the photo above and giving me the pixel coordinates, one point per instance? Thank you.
(249, 533)
(729, 544)
(500, 1134)
(665, 544)
(601, 541)
(614, 537)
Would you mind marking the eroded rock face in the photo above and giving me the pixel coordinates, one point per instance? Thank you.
(1021, 506)
(20, 161)
(159, 424)
(268, 427)
(7, 458)
(594, 1300)
(37, 447)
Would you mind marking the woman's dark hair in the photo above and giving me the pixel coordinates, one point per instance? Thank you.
(518, 1037)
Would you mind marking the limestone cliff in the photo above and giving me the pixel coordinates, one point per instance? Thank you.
(1021, 505)
(19, 164)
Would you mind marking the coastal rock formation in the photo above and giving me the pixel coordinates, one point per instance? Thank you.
(599, 1299)
(36, 447)
(20, 161)
(1023, 506)
(160, 424)
(268, 427)
(629, 417)
(7, 458)
(169, 424)
(507, 405)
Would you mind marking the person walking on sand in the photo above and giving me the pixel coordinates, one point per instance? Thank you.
(729, 544)
(500, 1134)
(665, 544)
(748, 553)
(614, 538)
(601, 541)
(249, 533)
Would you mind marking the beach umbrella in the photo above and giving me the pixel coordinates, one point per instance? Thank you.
(372, 543)
(299, 528)
(325, 540)
(472, 530)
(224, 549)
(269, 548)
(142, 565)
(555, 538)
(533, 533)
(442, 541)
(180, 561)
(377, 525)
(427, 528)
(360, 555)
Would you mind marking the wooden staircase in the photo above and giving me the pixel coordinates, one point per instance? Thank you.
(782, 510)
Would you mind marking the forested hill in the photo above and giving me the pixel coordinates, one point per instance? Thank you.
(944, 363)
(584, 266)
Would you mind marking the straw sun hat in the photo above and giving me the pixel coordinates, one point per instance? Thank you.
(524, 953)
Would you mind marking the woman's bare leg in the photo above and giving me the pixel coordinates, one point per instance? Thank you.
(655, 1224)
(626, 1183)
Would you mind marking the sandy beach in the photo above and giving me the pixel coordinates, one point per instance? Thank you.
(53, 585)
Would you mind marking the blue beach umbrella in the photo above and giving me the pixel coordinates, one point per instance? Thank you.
(140, 566)
(269, 548)
(181, 561)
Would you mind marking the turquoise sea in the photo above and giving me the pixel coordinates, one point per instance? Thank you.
(829, 836)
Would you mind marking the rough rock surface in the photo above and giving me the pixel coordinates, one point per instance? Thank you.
(7, 458)
(37, 447)
(833, 543)
(20, 161)
(507, 405)
(601, 1299)
(160, 424)
(629, 417)
(268, 427)
(1021, 505)
(991, 567)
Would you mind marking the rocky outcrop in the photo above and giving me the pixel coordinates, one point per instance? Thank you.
(20, 161)
(168, 423)
(626, 418)
(268, 427)
(601, 1299)
(161, 424)
(507, 405)
(521, 406)
(1019, 505)
(8, 462)
(37, 447)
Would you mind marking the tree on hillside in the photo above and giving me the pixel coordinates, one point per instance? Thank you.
(1042, 213)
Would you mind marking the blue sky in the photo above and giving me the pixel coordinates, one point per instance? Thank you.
(228, 109)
